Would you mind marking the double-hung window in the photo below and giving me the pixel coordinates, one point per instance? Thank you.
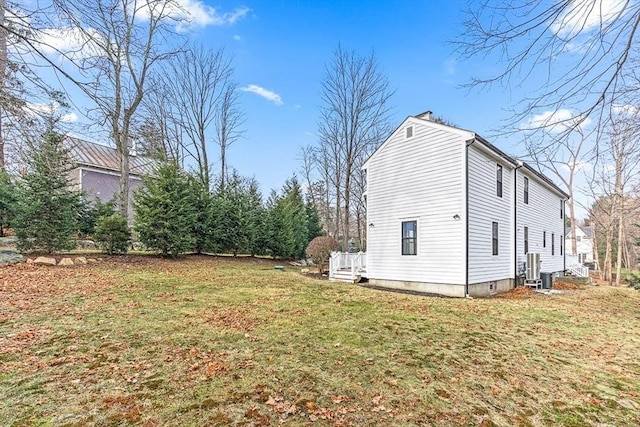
(553, 244)
(526, 190)
(494, 238)
(409, 238)
(499, 180)
(544, 239)
(526, 240)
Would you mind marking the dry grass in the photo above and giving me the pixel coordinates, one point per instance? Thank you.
(214, 341)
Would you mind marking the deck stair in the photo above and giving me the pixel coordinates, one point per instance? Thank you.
(347, 267)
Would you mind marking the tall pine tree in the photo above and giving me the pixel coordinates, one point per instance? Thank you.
(165, 211)
(46, 211)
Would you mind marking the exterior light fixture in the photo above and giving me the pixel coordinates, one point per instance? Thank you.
(456, 217)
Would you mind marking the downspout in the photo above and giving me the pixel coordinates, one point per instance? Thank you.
(564, 241)
(466, 216)
(515, 223)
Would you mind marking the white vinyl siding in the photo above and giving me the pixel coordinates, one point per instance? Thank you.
(541, 217)
(485, 208)
(419, 179)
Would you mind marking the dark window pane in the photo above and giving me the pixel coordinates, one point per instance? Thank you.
(409, 237)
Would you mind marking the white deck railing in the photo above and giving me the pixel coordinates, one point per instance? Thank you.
(344, 262)
(577, 269)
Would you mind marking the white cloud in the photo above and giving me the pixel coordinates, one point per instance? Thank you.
(555, 121)
(585, 15)
(69, 117)
(626, 109)
(195, 13)
(237, 37)
(72, 42)
(51, 109)
(265, 93)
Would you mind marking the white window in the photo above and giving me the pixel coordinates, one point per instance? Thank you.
(409, 132)
(409, 237)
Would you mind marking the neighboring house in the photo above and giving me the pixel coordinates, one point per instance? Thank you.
(584, 244)
(97, 171)
(451, 214)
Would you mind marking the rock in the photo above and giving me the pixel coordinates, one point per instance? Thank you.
(81, 260)
(91, 260)
(10, 257)
(29, 261)
(65, 262)
(304, 271)
(43, 260)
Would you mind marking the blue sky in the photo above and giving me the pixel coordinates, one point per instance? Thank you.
(283, 47)
(280, 50)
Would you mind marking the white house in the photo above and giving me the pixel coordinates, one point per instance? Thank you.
(449, 213)
(584, 244)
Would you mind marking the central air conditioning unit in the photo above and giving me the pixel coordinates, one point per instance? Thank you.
(533, 266)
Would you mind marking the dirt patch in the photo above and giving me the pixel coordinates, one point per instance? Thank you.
(520, 292)
(566, 286)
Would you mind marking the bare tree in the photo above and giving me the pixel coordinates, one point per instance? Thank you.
(564, 158)
(355, 106)
(116, 44)
(229, 119)
(533, 38)
(615, 180)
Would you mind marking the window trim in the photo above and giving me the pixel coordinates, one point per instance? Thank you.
(494, 238)
(408, 132)
(526, 240)
(409, 239)
(499, 180)
(526, 190)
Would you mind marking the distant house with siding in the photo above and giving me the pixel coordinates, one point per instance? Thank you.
(584, 244)
(97, 171)
(449, 213)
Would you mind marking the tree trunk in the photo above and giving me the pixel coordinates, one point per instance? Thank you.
(572, 222)
(3, 70)
(124, 181)
(596, 256)
(347, 212)
(620, 242)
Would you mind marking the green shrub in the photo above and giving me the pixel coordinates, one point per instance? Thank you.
(112, 234)
(635, 282)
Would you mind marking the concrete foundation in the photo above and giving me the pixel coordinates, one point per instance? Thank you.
(420, 287)
(483, 289)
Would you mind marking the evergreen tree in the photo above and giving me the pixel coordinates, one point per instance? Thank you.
(273, 227)
(166, 209)
(294, 219)
(112, 234)
(202, 228)
(46, 210)
(7, 200)
(90, 212)
(255, 220)
(314, 227)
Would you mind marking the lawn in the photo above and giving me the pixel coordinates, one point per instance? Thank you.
(221, 341)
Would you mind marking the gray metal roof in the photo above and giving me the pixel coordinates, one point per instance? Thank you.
(91, 154)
